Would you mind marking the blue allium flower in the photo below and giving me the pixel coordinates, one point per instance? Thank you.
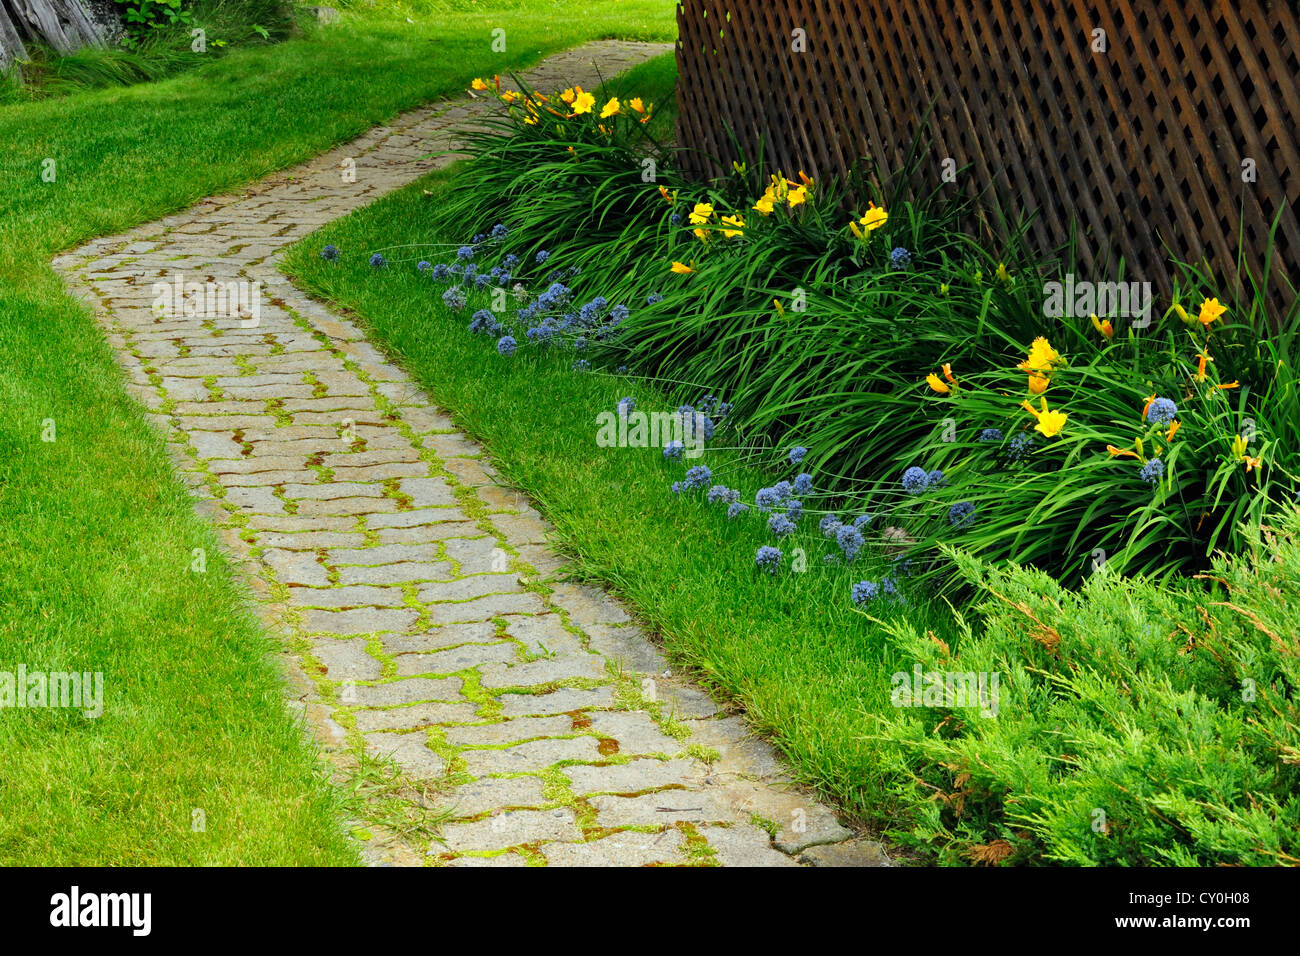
(540, 335)
(581, 365)
(618, 314)
(937, 479)
(626, 406)
(454, 298)
(542, 256)
(915, 480)
(329, 253)
(829, 525)
(991, 435)
(864, 592)
(1020, 447)
(674, 449)
(736, 508)
(793, 509)
(719, 494)
(482, 321)
(861, 521)
(470, 271)
(675, 219)
(698, 476)
(653, 298)
(962, 514)
(768, 558)
(479, 238)
(441, 271)
(588, 314)
(481, 281)
(900, 258)
(499, 231)
(803, 483)
(723, 410)
(580, 344)
(766, 499)
(510, 261)
(678, 487)
(465, 253)
(783, 489)
(797, 453)
(1162, 412)
(780, 525)
(850, 540)
(506, 345)
(378, 261)
(1152, 472)
(423, 266)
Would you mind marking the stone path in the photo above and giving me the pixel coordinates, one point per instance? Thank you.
(424, 618)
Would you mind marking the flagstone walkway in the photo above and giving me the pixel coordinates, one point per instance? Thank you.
(424, 617)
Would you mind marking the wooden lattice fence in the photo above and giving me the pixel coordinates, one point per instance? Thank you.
(1176, 127)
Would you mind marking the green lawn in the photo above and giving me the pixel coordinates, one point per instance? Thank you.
(95, 533)
(807, 667)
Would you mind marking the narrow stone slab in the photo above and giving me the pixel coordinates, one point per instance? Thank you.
(412, 690)
(345, 659)
(531, 757)
(635, 776)
(457, 659)
(545, 671)
(635, 732)
(415, 716)
(410, 752)
(359, 621)
(514, 828)
(491, 793)
(563, 701)
(509, 731)
(744, 845)
(629, 848)
(662, 809)
(357, 595)
(482, 609)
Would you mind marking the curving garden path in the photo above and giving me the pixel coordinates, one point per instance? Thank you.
(423, 615)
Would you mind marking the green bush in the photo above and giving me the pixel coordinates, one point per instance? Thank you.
(1135, 723)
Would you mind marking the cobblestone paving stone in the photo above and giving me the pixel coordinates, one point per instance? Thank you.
(422, 618)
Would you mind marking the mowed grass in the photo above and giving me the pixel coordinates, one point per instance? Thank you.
(809, 669)
(96, 535)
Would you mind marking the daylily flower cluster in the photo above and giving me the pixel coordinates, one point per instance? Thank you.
(533, 106)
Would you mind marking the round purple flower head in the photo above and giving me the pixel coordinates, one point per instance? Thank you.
(797, 453)
(768, 558)
(506, 345)
(915, 480)
(1161, 412)
(329, 253)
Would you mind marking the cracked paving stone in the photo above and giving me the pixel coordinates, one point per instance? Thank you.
(627, 645)
(509, 731)
(530, 757)
(357, 595)
(457, 659)
(346, 660)
(628, 848)
(296, 567)
(385, 554)
(449, 635)
(744, 845)
(545, 671)
(363, 620)
(663, 808)
(489, 793)
(404, 572)
(414, 716)
(512, 828)
(849, 853)
(409, 751)
(802, 821)
(685, 702)
(544, 634)
(635, 732)
(742, 753)
(484, 608)
(418, 517)
(409, 691)
(562, 701)
(635, 776)
(466, 589)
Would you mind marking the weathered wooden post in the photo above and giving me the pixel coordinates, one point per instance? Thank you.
(66, 25)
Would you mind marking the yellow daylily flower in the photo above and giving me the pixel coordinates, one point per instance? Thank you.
(611, 108)
(1104, 327)
(509, 96)
(701, 235)
(737, 222)
(1121, 452)
(797, 196)
(568, 95)
(1252, 463)
(1038, 383)
(701, 214)
(670, 198)
(582, 101)
(1050, 422)
(1146, 407)
(765, 205)
(1173, 429)
(947, 372)
(937, 384)
(873, 218)
(1211, 310)
(637, 105)
(1229, 385)
(478, 84)
(682, 268)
